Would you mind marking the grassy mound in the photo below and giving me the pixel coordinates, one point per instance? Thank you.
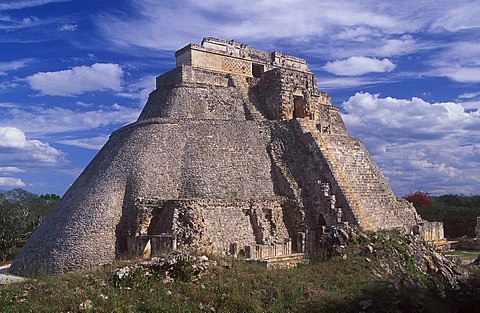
(371, 281)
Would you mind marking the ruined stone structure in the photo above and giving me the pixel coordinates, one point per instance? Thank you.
(235, 148)
(430, 232)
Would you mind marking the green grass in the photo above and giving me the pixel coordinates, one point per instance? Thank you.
(333, 285)
(467, 256)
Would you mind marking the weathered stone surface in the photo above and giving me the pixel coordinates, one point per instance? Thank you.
(177, 265)
(235, 145)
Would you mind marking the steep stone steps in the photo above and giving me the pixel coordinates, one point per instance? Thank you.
(252, 113)
(308, 127)
(359, 179)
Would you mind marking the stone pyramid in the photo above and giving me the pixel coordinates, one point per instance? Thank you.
(235, 151)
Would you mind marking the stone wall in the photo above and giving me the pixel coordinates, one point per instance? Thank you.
(429, 231)
(220, 156)
(231, 57)
(360, 188)
(212, 224)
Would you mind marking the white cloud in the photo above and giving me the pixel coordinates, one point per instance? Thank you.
(11, 169)
(8, 105)
(13, 65)
(11, 25)
(11, 182)
(94, 143)
(29, 20)
(459, 16)
(78, 80)
(471, 105)
(84, 104)
(405, 45)
(419, 144)
(21, 4)
(67, 27)
(360, 33)
(469, 95)
(140, 89)
(371, 22)
(16, 148)
(292, 20)
(12, 138)
(336, 83)
(59, 120)
(355, 66)
(459, 61)
(461, 74)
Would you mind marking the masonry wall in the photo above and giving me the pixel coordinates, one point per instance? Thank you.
(361, 189)
(174, 159)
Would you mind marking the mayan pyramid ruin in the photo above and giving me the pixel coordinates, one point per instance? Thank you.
(236, 151)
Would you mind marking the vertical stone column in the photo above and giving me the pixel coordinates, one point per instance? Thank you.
(301, 242)
(477, 232)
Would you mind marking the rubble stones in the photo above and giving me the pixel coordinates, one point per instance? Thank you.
(177, 265)
(86, 305)
(388, 250)
(365, 304)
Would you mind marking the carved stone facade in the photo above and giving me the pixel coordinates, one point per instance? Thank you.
(235, 151)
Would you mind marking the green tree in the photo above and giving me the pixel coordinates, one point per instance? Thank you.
(457, 212)
(20, 213)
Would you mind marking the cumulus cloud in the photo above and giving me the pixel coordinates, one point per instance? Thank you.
(400, 46)
(15, 147)
(471, 105)
(78, 80)
(11, 182)
(355, 66)
(417, 143)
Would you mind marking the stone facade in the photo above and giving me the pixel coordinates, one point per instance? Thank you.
(430, 231)
(235, 151)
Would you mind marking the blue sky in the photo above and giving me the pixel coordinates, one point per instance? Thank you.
(406, 75)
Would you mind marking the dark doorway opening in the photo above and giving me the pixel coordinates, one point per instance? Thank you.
(321, 220)
(299, 109)
(257, 70)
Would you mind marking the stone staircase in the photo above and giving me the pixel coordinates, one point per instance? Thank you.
(252, 113)
(322, 147)
(283, 261)
(361, 182)
(250, 106)
(275, 151)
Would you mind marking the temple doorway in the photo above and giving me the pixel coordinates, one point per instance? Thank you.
(299, 107)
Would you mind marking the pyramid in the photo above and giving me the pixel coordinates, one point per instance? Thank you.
(236, 151)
